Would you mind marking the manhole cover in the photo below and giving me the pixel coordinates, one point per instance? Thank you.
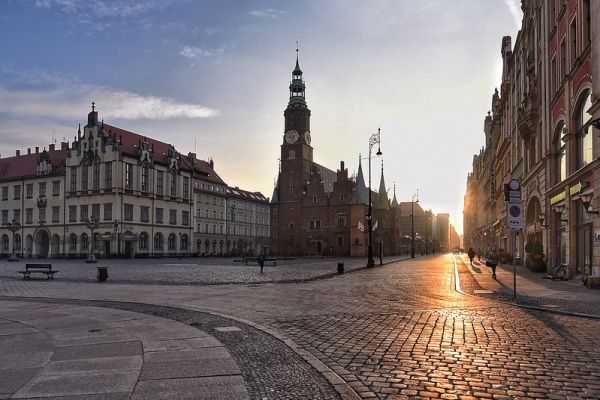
(227, 329)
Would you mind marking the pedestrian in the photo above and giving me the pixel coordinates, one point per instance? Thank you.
(261, 261)
(471, 254)
(479, 254)
(492, 261)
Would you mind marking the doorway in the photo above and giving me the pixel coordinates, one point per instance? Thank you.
(42, 241)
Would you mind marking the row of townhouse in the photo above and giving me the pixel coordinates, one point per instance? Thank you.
(117, 193)
(543, 130)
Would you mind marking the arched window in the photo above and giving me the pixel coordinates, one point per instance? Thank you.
(84, 243)
(73, 242)
(184, 242)
(17, 242)
(560, 148)
(158, 242)
(172, 242)
(5, 242)
(143, 241)
(174, 183)
(341, 222)
(584, 140)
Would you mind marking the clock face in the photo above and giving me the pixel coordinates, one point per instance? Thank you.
(307, 137)
(291, 136)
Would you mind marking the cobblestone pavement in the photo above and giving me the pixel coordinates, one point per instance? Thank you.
(192, 271)
(397, 331)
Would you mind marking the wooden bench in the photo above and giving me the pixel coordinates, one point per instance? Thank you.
(38, 269)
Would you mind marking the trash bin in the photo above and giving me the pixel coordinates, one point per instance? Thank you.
(102, 274)
(340, 268)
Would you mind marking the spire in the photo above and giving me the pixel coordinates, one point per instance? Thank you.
(361, 193)
(275, 196)
(394, 201)
(297, 70)
(382, 198)
(297, 86)
(79, 133)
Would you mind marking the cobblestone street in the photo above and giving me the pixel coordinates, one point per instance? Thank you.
(396, 331)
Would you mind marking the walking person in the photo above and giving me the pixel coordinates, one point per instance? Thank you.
(479, 254)
(492, 261)
(261, 261)
(471, 254)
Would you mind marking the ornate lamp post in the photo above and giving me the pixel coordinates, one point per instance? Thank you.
(117, 235)
(375, 139)
(415, 198)
(13, 226)
(92, 225)
(228, 249)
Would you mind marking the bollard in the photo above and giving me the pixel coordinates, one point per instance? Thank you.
(102, 274)
(340, 268)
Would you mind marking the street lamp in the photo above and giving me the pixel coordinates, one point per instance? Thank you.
(92, 225)
(227, 227)
(13, 226)
(375, 139)
(117, 235)
(412, 223)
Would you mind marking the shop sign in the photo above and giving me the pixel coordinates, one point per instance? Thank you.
(557, 198)
(578, 188)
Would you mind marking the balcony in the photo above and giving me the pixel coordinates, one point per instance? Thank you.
(42, 202)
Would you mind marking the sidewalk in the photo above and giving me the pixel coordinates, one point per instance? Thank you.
(534, 290)
(52, 350)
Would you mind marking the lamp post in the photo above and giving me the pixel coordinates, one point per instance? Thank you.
(13, 226)
(92, 225)
(227, 227)
(117, 235)
(375, 139)
(412, 223)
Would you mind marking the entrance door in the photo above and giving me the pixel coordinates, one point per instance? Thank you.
(128, 249)
(107, 248)
(43, 244)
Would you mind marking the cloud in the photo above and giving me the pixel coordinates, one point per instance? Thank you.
(69, 103)
(102, 8)
(193, 52)
(267, 13)
(515, 11)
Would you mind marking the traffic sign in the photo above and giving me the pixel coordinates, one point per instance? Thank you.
(514, 215)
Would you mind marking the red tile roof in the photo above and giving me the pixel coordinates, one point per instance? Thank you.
(25, 166)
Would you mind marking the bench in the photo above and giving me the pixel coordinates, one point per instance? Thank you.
(38, 269)
(273, 261)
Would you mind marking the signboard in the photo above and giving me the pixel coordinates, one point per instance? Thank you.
(514, 215)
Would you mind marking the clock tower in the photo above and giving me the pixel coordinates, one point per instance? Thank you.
(296, 139)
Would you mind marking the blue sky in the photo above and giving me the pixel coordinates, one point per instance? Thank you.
(212, 76)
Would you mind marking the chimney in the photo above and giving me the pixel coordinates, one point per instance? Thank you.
(341, 165)
(29, 150)
(64, 145)
(37, 149)
(192, 155)
(18, 152)
(212, 164)
(51, 147)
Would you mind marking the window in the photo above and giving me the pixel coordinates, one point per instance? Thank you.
(84, 177)
(291, 225)
(17, 215)
(143, 241)
(144, 213)
(55, 213)
(56, 188)
(42, 214)
(561, 154)
(172, 243)
(159, 215)
(42, 189)
(107, 211)
(17, 245)
(214, 214)
(85, 243)
(586, 137)
(185, 218)
(145, 172)
(17, 192)
(586, 22)
(186, 187)
(4, 192)
(108, 175)
(4, 217)
(73, 179)
(206, 228)
(340, 241)
(96, 173)
(563, 60)
(573, 37)
(158, 242)
(72, 242)
(159, 182)
(341, 196)
(553, 77)
(173, 217)
(173, 183)
(29, 215)
(83, 213)
(314, 199)
(72, 213)
(292, 155)
(341, 222)
(184, 242)
(5, 242)
(29, 191)
(128, 209)
(128, 176)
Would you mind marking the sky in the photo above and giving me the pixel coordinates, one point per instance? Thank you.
(212, 77)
